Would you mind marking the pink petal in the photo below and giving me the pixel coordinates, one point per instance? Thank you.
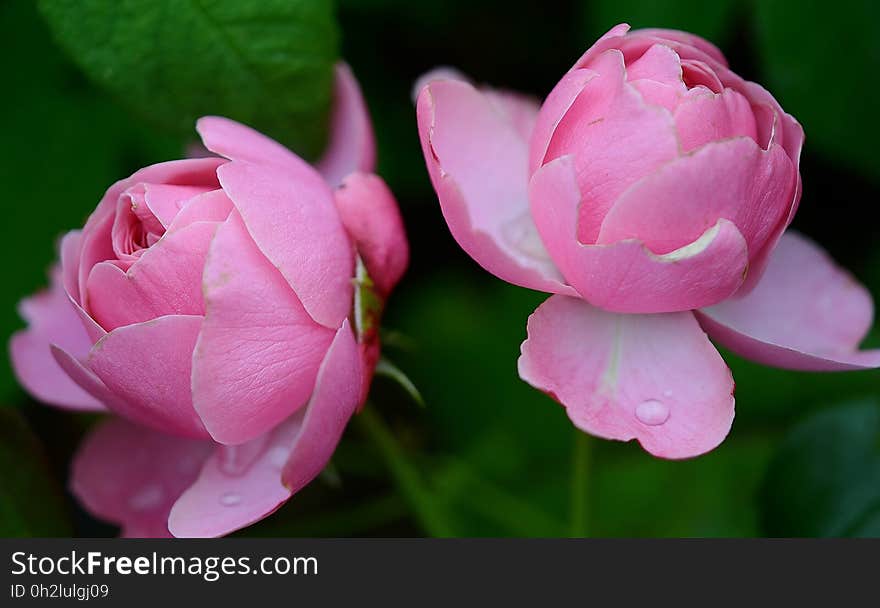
(51, 319)
(96, 242)
(659, 63)
(705, 117)
(213, 206)
(805, 313)
(654, 378)
(70, 249)
(259, 350)
(147, 366)
(520, 110)
(165, 280)
(352, 145)
(615, 137)
(734, 180)
(553, 110)
(626, 276)
(242, 484)
(686, 38)
(165, 201)
(478, 166)
(236, 141)
(293, 220)
(609, 40)
(370, 215)
(131, 475)
(337, 395)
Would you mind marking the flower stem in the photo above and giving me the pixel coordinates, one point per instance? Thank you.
(407, 479)
(580, 471)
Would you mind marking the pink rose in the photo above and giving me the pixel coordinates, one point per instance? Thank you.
(210, 304)
(649, 192)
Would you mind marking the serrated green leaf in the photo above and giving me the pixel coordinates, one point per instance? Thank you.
(825, 478)
(31, 502)
(266, 63)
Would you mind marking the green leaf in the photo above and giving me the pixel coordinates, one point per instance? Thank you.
(31, 503)
(708, 19)
(820, 60)
(266, 63)
(825, 478)
(64, 143)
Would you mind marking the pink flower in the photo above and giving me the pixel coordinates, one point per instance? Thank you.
(650, 193)
(212, 305)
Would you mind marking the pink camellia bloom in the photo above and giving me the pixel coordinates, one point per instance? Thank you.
(650, 193)
(216, 306)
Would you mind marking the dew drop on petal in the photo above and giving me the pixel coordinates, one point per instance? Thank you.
(652, 412)
(277, 456)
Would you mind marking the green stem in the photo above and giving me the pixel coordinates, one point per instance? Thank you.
(580, 471)
(405, 475)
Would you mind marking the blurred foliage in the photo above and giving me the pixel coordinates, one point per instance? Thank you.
(267, 63)
(488, 455)
(708, 19)
(819, 59)
(825, 477)
(31, 503)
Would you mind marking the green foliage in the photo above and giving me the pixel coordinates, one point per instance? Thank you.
(820, 60)
(825, 478)
(31, 503)
(267, 63)
(708, 19)
(63, 144)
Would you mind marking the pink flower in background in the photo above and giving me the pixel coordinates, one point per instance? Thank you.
(210, 304)
(650, 193)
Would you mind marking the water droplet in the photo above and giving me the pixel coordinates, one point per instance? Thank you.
(230, 499)
(147, 498)
(652, 412)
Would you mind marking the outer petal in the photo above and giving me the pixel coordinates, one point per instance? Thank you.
(352, 145)
(259, 350)
(236, 141)
(805, 313)
(372, 219)
(478, 165)
(51, 319)
(148, 366)
(165, 280)
(293, 220)
(131, 475)
(655, 378)
(734, 180)
(626, 276)
(242, 484)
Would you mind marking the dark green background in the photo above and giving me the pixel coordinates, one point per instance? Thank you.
(487, 455)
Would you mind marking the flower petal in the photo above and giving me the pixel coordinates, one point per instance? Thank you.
(615, 138)
(130, 475)
(372, 219)
(236, 141)
(51, 319)
(242, 484)
(654, 378)
(166, 279)
(148, 367)
(292, 218)
(478, 166)
(805, 313)
(337, 395)
(259, 350)
(734, 180)
(352, 145)
(626, 276)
